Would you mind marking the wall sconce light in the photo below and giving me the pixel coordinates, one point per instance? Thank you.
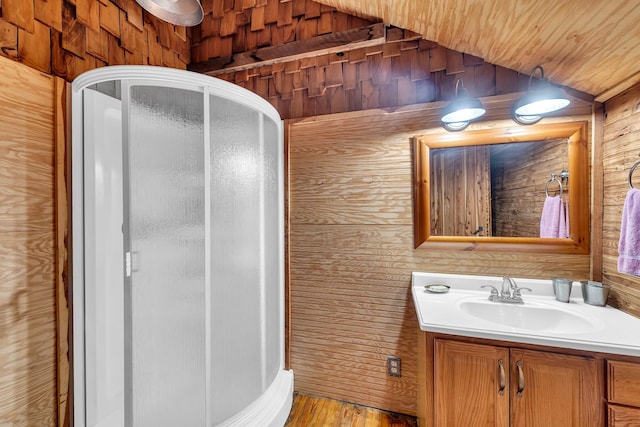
(462, 110)
(539, 102)
(178, 12)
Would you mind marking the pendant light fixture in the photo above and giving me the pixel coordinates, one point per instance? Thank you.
(540, 101)
(462, 110)
(178, 12)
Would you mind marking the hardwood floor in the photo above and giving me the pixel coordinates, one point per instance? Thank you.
(311, 411)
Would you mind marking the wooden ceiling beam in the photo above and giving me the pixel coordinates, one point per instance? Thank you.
(372, 35)
(618, 88)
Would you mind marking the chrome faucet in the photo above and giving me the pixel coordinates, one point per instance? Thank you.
(510, 292)
(508, 287)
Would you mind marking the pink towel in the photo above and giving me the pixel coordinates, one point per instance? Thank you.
(629, 246)
(553, 221)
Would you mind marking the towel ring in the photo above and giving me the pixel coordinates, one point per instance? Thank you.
(633, 168)
(553, 178)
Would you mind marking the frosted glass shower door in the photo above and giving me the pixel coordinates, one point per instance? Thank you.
(104, 324)
(245, 256)
(165, 314)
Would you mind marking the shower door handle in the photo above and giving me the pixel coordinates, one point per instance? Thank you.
(131, 263)
(127, 264)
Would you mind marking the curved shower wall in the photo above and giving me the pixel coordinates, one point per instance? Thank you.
(178, 235)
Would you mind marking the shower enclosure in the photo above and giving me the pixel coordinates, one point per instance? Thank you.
(178, 231)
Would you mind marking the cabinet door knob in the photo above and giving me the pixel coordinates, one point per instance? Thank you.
(520, 379)
(503, 383)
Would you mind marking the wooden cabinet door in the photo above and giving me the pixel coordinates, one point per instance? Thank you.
(554, 390)
(470, 384)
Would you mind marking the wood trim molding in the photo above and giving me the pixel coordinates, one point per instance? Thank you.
(62, 228)
(579, 199)
(618, 88)
(287, 250)
(597, 193)
(372, 35)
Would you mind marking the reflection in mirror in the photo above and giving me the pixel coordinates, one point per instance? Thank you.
(486, 189)
(497, 189)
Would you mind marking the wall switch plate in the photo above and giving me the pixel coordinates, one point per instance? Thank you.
(393, 366)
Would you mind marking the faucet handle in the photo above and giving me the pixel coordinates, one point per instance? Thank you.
(516, 291)
(494, 292)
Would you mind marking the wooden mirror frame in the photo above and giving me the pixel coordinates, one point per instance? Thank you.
(578, 153)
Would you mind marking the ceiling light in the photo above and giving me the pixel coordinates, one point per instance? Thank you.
(462, 110)
(178, 12)
(539, 102)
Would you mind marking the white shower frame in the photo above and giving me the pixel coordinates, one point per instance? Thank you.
(254, 414)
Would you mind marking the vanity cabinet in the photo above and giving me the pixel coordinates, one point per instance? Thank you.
(489, 384)
(623, 393)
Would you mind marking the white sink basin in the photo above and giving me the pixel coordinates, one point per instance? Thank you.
(530, 316)
(465, 310)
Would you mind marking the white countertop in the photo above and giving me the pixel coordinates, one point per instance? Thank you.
(588, 327)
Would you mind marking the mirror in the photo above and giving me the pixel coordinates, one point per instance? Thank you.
(485, 189)
(498, 189)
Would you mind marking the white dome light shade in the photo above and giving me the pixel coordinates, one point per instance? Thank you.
(463, 109)
(178, 12)
(543, 101)
(539, 102)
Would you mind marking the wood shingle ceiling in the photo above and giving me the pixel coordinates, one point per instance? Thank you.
(310, 59)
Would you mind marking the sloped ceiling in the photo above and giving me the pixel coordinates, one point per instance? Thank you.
(589, 45)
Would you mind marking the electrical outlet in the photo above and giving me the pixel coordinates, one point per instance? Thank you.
(393, 366)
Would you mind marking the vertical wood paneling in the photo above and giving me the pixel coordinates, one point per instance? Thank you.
(621, 149)
(460, 191)
(351, 254)
(27, 248)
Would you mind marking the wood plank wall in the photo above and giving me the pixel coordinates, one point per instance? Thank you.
(351, 253)
(28, 388)
(67, 37)
(519, 186)
(621, 149)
